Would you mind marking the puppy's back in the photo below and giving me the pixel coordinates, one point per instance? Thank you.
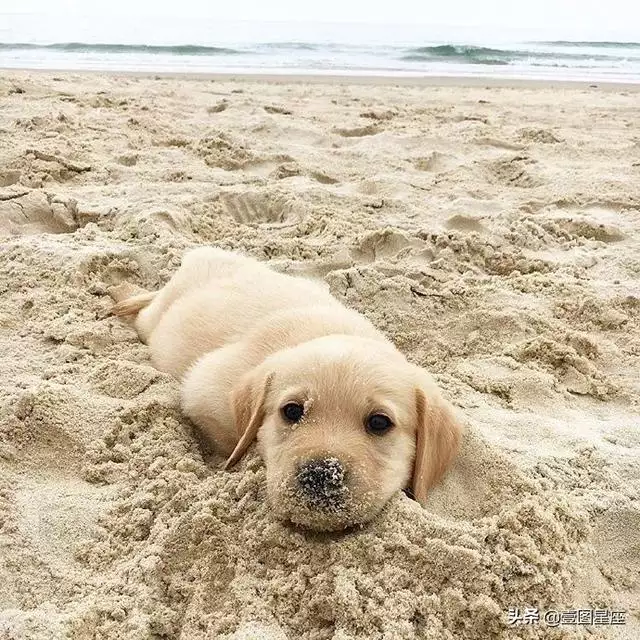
(226, 310)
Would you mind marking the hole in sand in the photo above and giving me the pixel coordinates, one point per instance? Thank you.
(259, 206)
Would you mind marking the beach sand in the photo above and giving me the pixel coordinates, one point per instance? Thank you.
(492, 232)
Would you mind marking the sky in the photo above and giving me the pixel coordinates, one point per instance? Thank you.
(593, 19)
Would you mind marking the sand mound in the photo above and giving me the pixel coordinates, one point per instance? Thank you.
(512, 278)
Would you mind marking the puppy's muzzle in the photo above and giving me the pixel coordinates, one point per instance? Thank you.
(322, 483)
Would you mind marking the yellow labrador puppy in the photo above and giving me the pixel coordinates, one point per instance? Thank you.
(343, 421)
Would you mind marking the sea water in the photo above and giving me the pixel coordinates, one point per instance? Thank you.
(211, 46)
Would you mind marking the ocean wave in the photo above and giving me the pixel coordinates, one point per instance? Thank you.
(83, 47)
(183, 49)
(468, 54)
(458, 53)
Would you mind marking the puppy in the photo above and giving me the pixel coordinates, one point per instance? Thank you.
(342, 420)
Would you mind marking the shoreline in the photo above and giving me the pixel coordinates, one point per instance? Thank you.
(340, 79)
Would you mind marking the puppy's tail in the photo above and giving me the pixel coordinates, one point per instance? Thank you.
(131, 306)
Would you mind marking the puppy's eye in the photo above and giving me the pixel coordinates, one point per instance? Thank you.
(292, 412)
(378, 424)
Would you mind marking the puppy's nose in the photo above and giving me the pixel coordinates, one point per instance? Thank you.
(321, 483)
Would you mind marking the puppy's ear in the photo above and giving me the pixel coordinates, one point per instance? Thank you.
(438, 436)
(247, 402)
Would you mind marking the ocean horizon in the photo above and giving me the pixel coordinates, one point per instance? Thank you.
(305, 48)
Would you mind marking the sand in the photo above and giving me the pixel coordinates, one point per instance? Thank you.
(492, 232)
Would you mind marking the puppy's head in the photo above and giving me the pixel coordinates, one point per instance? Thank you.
(343, 423)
